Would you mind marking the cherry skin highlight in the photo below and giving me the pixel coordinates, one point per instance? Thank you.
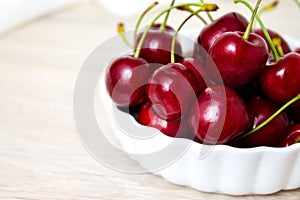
(208, 113)
(172, 89)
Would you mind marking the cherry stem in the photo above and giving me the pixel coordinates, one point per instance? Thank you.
(164, 24)
(204, 7)
(250, 25)
(267, 7)
(297, 140)
(188, 9)
(121, 31)
(208, 14)
(141, 18)
(177, 32)
(297, 2)
(293, 100)
(277, 43)
(263, 28)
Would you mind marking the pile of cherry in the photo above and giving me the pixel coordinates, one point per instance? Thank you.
(254, 103)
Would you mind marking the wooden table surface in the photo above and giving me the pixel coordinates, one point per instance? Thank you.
(41, 156)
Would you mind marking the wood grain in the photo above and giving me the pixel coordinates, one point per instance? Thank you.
(41, 156)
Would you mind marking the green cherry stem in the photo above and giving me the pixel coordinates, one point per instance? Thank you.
(164, 24)
(293, 100)
(208, 14)
(277, 43)
(270, 42)
(194, 13)
(297, 2)
(188, 9)
(204, 7)
(141, 18)
(121, 31)
(250, 25)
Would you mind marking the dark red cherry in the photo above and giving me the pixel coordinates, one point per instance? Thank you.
(292, 137)
(238, 60)
(157, 45)
(197, 67)
(125, 79)
(297, 50)
(209, 121)
(259, 110)
(284, 45)
(280, 81)
(172, 89)
(229, 22)
(250, 90)
(178, 128)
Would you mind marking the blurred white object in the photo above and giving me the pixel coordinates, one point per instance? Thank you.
(15, 12)
(128, 7)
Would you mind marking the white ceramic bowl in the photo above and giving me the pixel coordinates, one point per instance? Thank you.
(227, 170)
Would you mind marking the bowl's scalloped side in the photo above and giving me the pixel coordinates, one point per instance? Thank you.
(227, 170)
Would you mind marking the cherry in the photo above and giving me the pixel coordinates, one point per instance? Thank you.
(250, 90)
(172, 89)
(157, 45)
(148, 117)
(280, 81)
(238, 60)
(259, 110)
(197, 68)
(208, 114)
(297, 50)
(292, 137)
(125, 79)
(229, 22)
(284, 45)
